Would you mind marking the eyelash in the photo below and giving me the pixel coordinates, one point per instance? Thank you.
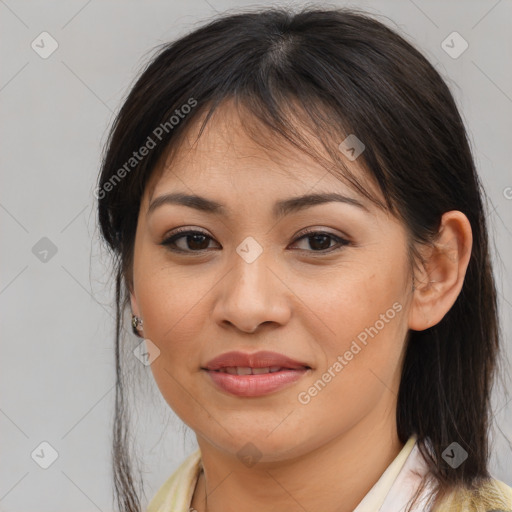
(184, 232)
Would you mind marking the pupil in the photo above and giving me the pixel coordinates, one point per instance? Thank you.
(317, 237)
(197, 239)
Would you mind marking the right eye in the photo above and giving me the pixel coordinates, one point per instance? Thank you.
(194, 241)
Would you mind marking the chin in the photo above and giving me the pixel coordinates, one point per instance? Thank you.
(255, 444)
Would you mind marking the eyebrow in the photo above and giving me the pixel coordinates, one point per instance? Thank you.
(281, 208)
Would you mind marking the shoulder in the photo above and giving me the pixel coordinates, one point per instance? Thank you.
(176, 493)
(490, 495)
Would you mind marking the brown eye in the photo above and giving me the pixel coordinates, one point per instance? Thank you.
(320, 241)
(194, 241)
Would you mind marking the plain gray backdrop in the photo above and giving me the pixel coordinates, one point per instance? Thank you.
(57, 316)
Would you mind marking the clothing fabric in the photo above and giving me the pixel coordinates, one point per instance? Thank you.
(396, 486)
(391, 493)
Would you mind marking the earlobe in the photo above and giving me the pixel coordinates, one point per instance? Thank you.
(137, 322)
(439, 279)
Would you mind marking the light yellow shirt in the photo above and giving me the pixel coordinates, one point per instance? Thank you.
(391, 492)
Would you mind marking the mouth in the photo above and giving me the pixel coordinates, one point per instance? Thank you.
(247, 370)
(250, 375)
(259, 362)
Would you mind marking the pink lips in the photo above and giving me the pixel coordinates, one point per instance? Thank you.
(272, 371)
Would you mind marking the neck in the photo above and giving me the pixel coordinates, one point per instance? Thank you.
(334, 477)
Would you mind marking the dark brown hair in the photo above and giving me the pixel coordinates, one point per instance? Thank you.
(337, 72)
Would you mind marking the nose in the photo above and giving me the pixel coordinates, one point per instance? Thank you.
(252, 294)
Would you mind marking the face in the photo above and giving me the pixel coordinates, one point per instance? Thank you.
(324, 284)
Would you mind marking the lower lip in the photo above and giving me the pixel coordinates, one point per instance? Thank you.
(255, 385)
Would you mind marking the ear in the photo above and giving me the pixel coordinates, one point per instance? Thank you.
(439, 280)
(138, 331)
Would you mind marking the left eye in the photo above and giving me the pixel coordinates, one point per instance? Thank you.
(321, 240)
(196, 241)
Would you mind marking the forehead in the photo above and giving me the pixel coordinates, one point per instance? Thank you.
(237, 150)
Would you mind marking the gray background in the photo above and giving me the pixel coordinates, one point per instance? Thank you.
(57, 372)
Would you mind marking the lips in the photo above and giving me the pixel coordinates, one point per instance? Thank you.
(253, 375)
(258, 360)
(247, 370)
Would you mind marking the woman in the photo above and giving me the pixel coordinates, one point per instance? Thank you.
(299, 233)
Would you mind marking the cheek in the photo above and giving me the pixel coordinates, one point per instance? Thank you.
(361, 348)
(174, 321)
(172, 302)
(172, 306)
(362, 320)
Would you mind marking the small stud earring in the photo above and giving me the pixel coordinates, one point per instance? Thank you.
(137, 325)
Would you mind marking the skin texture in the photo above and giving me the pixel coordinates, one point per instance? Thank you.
(294, 299)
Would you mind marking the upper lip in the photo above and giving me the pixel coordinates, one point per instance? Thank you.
(262, 359)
